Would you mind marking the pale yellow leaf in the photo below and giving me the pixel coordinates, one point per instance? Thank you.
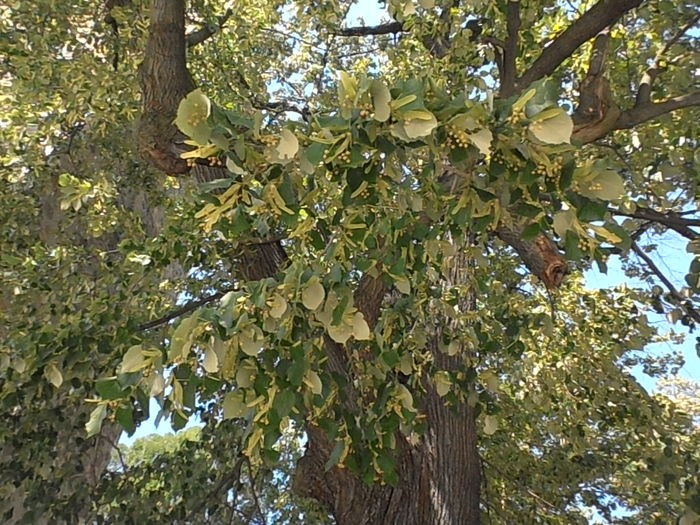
(313, 294)
(360, 328)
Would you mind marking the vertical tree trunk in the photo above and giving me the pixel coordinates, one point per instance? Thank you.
(439, 479)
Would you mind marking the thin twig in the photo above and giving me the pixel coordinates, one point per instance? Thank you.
(519, 484)
(691, 312)
(644, 92)
(199, 36)
(119, 451)
(254, 493)
(224, 482)
(192, 305)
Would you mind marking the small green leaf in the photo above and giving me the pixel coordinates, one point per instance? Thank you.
(53, 374)
(278, 305)
(402, 284)
(288, 145)
(313, 381)
(490, 425)
(563, 222)
(421, 124)
(442, 383)
(335, 455)
(340, 333)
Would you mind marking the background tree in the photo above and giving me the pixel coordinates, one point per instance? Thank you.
(355, 238)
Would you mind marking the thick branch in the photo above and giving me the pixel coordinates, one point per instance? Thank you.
(199, 36)
(670, 219)
(510, 52)
(638, 114)
(540, 255)
(592, 22)
(691, 312)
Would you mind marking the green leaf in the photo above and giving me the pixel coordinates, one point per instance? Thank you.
(421, 124)
(482, 140)
(233, 405)
(490, 425)
(192, 115)
(133, 360)
(288, 145)
(563, 222)
(443, 384)
(340, 333)
(53, 374)
(109, 388)
(403, 285)
(312, 296)
(554, 130)
(381, 98)
(210, 363)
(278, 305)
(313, 381)
(606, 185)
(181, 342)
(97, 416)
(335, 455)
(360, 328)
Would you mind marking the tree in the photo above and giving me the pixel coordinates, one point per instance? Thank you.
(162, 471)
(376, 232)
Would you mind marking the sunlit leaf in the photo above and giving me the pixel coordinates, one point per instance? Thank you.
(192, 114)
(554, 130)
(313, 294)
(97, 416)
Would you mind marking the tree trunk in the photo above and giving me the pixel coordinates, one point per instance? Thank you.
(439, 479)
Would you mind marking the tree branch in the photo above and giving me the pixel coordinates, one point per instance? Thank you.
(199, 36)
(638, 114)
(381, 29)
(645, 85)
(671, 220)
(592, 22)
(510, 51)
(691, 312)
(192, 305)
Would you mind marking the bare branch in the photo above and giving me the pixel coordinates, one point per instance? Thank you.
(187, 308)
(510, 51)
(199, 36)
(381, 29)
(644, 92)
(670, 219)
(691, 312)
(601, 15)
(638, 114)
